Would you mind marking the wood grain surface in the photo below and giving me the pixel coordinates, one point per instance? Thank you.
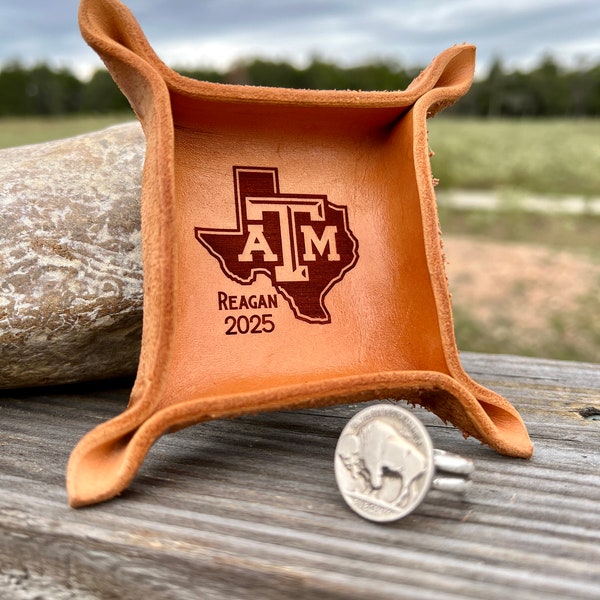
(248, 508)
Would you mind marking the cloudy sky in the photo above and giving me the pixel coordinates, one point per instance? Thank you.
(214, 33)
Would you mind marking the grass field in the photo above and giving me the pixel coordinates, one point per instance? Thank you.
(559, 156)
(550, 157)
(19, 131)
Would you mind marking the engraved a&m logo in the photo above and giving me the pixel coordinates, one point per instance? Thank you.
(302, 242)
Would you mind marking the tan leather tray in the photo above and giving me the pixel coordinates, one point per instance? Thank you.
(292, 256)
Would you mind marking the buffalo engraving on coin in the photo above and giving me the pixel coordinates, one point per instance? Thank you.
(384, 463)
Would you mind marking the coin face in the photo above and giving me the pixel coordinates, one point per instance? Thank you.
(384, 463)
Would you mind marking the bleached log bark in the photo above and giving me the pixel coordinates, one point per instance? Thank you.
(70, 267)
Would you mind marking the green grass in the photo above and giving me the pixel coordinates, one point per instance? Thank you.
(574, 233)
(549, 157)
(19, 131)
(559, 156)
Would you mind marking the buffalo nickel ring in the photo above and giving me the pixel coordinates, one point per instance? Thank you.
(385, 464)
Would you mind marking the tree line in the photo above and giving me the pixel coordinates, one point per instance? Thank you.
(547, 90)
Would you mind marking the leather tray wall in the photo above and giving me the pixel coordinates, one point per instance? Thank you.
(292, 255)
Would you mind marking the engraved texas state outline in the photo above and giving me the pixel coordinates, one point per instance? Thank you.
(302, 242)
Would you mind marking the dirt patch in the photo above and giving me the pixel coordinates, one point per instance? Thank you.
(521, 288)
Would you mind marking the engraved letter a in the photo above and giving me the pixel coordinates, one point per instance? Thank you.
(257, 242)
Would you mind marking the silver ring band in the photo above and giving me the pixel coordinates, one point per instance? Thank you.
(459, 467)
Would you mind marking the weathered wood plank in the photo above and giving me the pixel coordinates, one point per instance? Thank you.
(249, 507)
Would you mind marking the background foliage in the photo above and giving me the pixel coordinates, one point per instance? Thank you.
(544, 91)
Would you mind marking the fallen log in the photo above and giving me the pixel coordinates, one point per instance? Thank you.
(71, 268)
